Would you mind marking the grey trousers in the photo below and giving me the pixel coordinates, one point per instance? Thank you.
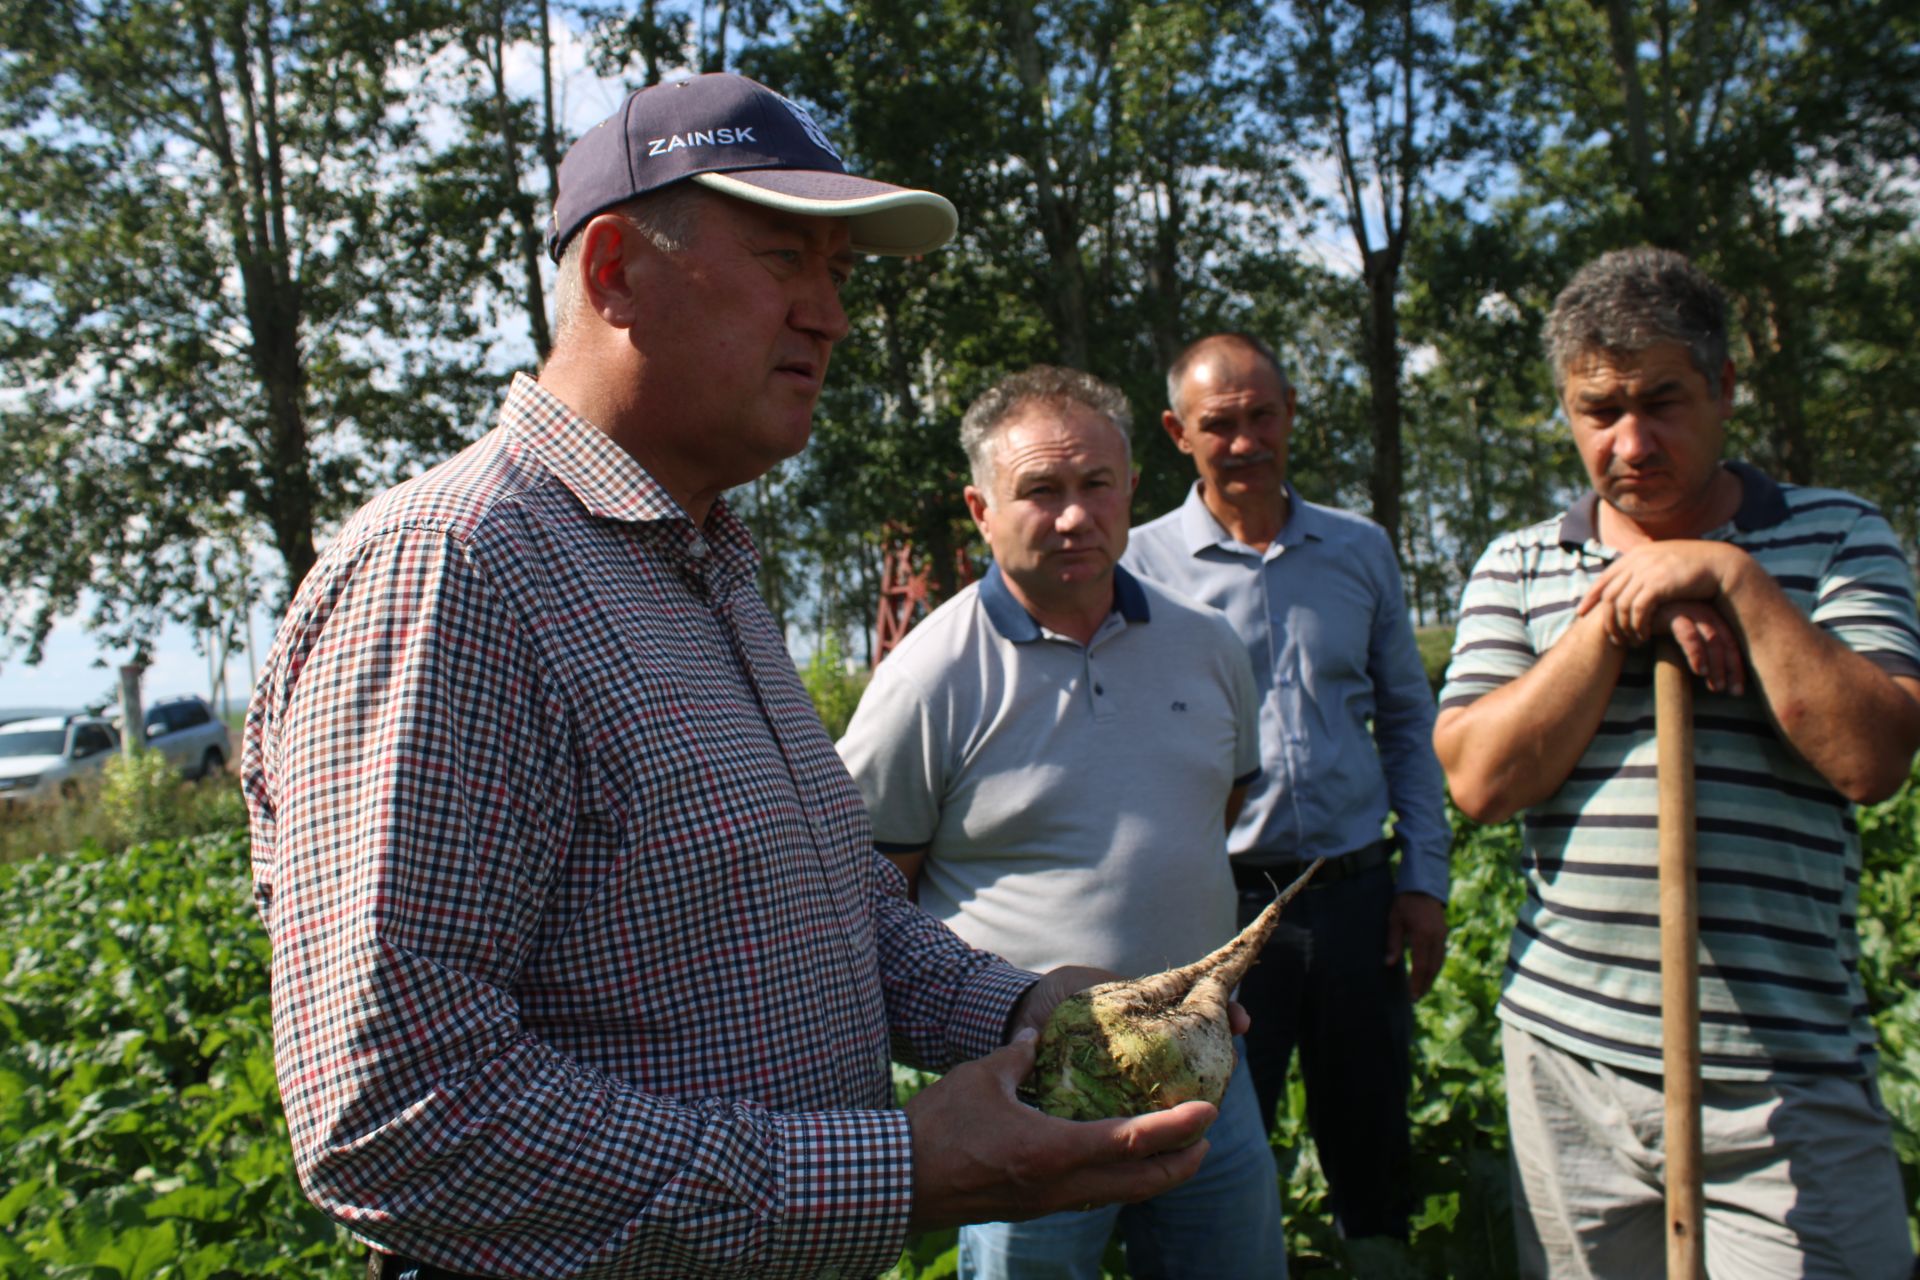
(1799, 1175)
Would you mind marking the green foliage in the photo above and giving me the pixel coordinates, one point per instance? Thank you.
(1436, 648)
(835, 690)
(225, 311)
(143, 798)
(139, 1113)
(1890, 966)
(1463, 1222)
(138, 1110)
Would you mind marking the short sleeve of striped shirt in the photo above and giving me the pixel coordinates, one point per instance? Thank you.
(1491, 644)
(1865, 595)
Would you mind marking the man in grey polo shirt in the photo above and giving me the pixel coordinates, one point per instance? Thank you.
(1796, 606)
(1052, 758)
(1346, 717)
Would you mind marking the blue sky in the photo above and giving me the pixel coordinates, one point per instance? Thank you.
(68, 678)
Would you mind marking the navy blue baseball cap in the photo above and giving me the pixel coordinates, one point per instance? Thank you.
(740, 138)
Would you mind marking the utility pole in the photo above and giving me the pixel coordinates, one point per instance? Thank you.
(133, 723)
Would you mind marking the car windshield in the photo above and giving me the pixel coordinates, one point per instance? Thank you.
(33, 742)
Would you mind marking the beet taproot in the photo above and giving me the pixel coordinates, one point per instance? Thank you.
(1146, 1044)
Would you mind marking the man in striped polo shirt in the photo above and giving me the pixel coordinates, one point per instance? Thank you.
(1794, 606)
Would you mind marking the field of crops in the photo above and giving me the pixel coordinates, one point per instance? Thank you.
(141, 1131)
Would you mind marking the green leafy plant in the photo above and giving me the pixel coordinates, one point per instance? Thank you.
(138, 1111)
(835, 690)
(141, 1125)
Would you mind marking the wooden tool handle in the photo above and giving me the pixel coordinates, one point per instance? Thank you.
(1679, 962)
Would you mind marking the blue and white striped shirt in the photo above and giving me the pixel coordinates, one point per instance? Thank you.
(1779, 853)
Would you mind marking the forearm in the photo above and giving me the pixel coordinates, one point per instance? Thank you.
(1515, 746)
(947, 1002)
(1854, 724)
(481, 1148)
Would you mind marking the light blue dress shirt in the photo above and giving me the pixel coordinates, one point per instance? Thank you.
(1346, 715)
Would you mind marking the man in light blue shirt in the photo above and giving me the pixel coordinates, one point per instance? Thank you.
(1346, 719)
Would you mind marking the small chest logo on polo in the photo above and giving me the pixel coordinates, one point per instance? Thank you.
(814, 135)
(1179, 706)
(700, 138)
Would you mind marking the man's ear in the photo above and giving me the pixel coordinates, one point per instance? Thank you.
(607, 243)
(1174, 429)
(1726, 389)
(977, 508)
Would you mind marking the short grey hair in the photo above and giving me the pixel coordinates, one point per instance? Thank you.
(1192, 353)
(1629, 300)
(1043, 384)
(665, 217)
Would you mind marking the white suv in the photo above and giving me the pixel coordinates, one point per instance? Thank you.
(189, 735)
(48, 756)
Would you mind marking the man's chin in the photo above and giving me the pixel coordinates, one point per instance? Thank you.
(1639, 504)
(1250, 482)
(1089, 567)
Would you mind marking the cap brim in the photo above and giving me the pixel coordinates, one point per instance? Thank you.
(883, 218)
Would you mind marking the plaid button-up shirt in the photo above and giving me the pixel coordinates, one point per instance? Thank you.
(583, 962)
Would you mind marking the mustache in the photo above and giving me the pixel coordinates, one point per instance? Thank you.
(1248, 460)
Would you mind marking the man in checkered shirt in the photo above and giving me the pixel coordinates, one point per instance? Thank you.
(583, 961)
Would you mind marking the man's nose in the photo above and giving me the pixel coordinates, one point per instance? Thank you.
(1633, 437)
(1072, 516)
(820, 311)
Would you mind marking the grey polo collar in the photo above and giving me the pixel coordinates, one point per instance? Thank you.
(1201, 529)
(1762, 506)
(1013, 622)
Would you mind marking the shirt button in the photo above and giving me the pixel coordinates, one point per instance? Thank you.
(697, 549)
(1099, 689)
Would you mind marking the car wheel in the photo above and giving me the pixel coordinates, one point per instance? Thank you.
(213, 762)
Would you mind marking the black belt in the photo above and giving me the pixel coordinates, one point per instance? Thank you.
(1271, 877)
(391, 1266)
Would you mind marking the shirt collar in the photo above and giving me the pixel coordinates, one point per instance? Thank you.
(1201, 529)
(1762, 506)
(1011, 619)
(612, 485)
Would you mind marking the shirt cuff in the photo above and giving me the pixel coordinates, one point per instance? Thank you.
(1426, 873)
(849, 1190)
(985, 1007)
